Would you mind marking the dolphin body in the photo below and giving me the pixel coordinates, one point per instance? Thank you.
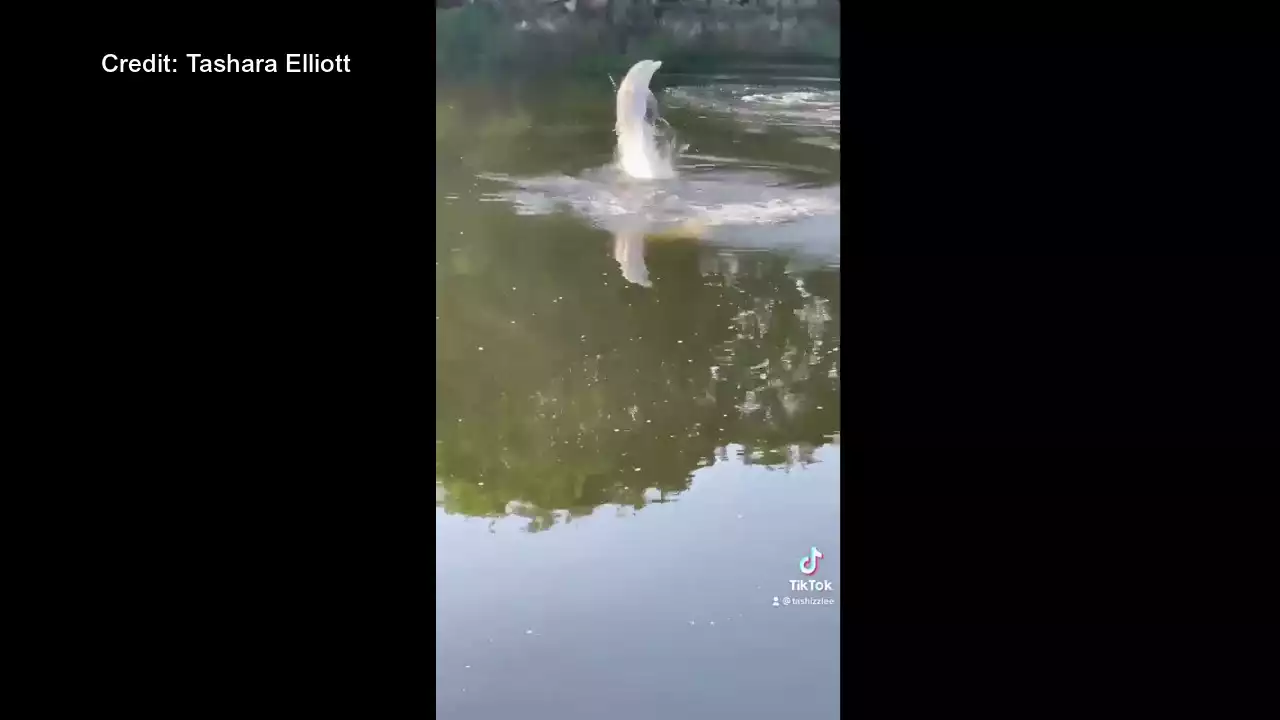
(637, 152)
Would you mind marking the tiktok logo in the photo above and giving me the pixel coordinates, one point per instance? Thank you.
(809, 563)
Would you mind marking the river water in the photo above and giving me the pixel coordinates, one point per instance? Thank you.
(638, 407)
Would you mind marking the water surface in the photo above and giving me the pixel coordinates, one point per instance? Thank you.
(637, 405)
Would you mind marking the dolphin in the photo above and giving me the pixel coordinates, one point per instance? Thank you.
(637, 152)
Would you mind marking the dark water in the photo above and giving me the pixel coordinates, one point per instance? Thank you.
(638, 410)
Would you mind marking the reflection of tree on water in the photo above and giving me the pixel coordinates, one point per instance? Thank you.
(561, 387)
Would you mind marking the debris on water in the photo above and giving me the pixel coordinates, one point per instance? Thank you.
(528, 632)
(691, 622)
(713, 622)
(466, 667)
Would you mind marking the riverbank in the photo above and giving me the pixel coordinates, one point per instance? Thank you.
(524, 38)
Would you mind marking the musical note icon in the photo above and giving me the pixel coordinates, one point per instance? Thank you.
(809, 563)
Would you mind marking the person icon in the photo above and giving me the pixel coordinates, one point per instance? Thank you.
(775, 602)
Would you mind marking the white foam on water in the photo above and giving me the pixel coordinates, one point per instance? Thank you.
(805, 109)
(630, 210)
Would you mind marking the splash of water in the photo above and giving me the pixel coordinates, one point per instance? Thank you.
(695, 207)
(645, 150)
